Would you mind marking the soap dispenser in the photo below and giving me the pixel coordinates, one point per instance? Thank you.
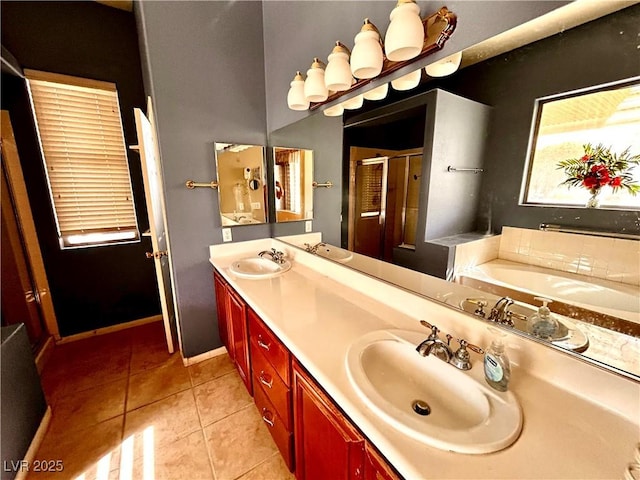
(497, 368)
(542, 324)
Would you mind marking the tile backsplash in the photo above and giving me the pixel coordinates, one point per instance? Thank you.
(607, 258)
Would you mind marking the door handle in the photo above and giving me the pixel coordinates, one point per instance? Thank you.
(160, 254)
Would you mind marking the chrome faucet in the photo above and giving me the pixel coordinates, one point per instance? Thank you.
(275, 255)
(433, 345)
(314, 248)
(500, 311)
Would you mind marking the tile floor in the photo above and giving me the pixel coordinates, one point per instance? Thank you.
(123, 408)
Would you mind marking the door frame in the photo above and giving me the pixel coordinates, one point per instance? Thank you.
(27, 226)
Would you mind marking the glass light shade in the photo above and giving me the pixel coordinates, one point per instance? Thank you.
(353, 103)
(445, 66)
(334, 111)
(366, 56)
(407, 82)
(337, 75)
(314, 87)
(405, 35)
(378, 93)
(295, 98)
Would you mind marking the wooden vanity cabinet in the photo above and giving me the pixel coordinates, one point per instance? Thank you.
(221, 301)
(271, 369)
(232, 315)
(376, 467)
(326, 444)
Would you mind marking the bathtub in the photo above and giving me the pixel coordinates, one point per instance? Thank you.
(610, 298)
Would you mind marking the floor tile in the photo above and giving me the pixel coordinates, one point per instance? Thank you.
(82, 450)
(89, 407)
(155, 384)
(185, 459)
(221, 397)
(148, 356)
(209, 369)
(165, 421)
(273, 468)
(240, 432)
(60, 380)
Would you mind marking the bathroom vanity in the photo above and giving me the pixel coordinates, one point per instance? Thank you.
(291, 346)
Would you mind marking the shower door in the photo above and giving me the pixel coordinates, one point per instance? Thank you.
(369, 218)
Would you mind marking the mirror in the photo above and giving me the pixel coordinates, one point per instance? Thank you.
(510, 84)
(293, 184)
(241, 184)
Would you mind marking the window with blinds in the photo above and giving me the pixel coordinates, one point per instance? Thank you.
(80, 131)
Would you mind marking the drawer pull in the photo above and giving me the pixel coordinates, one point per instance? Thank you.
(267, 417)
(261, 344)
(264, 381)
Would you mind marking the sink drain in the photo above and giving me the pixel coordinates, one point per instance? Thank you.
(421, 408)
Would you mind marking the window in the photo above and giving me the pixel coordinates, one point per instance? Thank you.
(80, 132)
(607, 115)
(288, 175)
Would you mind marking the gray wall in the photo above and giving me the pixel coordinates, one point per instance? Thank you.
(323, 135)
(296, 31)
(23, 404)
(203, 63)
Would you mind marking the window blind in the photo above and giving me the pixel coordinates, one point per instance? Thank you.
(80, 131)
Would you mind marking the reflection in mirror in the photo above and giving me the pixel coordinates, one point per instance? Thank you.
(292, 189)
(241, 184)
(585, 148)
(593, 279)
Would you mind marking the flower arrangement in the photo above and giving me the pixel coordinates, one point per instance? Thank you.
(599, 167)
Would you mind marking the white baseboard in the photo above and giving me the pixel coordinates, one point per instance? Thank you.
(35, 444)
(111, 329)
(203, 356)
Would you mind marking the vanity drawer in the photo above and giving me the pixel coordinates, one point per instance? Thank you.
(280, 433)
(273, 350)
(266, 378)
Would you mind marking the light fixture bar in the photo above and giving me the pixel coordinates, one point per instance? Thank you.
(438, 28)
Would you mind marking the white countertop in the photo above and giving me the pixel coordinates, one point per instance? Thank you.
(566, 434)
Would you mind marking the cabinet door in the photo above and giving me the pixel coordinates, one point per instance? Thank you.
(221, 305)
(376, 468)
(327, 446)
(237, 315)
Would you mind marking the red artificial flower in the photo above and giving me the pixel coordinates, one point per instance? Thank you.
(590, 181)
(616, 182)
(586, 158)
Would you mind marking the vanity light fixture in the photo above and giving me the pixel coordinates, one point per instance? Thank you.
(295, 98)
(337, 76)
(445, 66)
(354, 103)
(405, 36)
(334, 111)
(314, 88)
(408, 81)
(366, 56)
(378, 93)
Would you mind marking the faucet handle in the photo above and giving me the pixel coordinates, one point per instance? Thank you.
(461, 358)
(426, 324)
(474, 348)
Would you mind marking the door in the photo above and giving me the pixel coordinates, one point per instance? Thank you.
(237, 323)
(25, 289)
(369, 215)
(153, 188)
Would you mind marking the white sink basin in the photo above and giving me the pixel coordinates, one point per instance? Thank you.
(257, 268)
(466, 415)
(335, 253)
